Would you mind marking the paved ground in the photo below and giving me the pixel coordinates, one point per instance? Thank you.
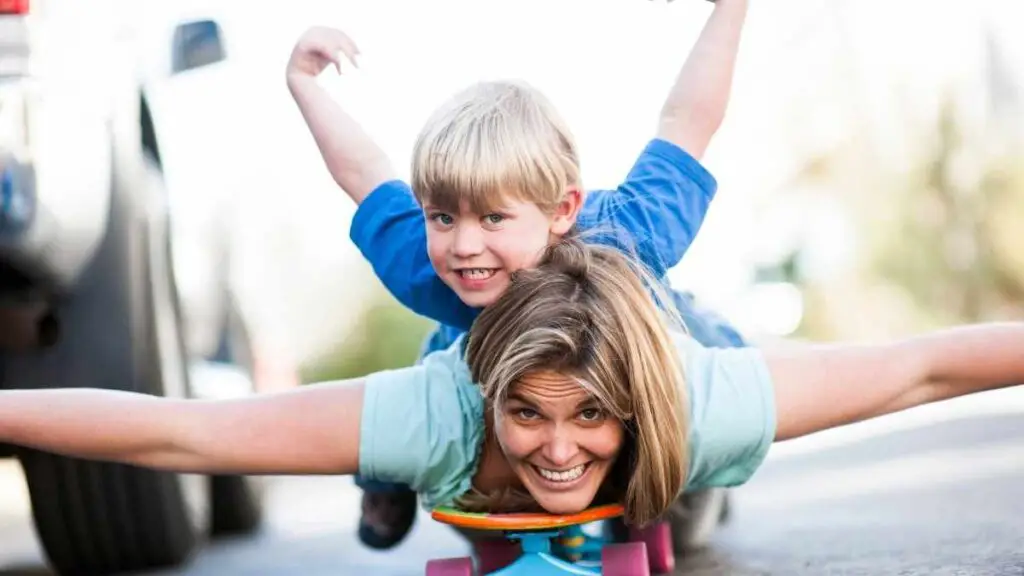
(932, 493)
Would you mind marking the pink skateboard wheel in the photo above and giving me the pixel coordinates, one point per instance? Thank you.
(629, 559)
(658, 539)
(450, 567)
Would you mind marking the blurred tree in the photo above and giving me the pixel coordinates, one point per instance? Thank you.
(951, 245)
(388, 336)
(939, 242)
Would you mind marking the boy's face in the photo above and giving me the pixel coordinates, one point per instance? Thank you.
(475, 254)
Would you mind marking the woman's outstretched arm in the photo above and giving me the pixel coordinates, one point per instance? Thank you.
(310, 430)
(821, 387)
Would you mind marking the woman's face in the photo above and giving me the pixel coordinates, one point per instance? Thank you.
(558, 440)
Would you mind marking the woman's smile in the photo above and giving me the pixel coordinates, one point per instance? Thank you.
(566, 479)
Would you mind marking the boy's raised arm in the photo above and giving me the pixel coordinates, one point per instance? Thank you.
(388, 227)
(354, 160)
(659, 208)
(696, 104)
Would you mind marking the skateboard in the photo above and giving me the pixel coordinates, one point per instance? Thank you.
(550, 545)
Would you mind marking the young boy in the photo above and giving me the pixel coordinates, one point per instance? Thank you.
(495, 179)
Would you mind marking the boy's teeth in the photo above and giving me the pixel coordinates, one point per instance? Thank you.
(476, 273)
(562, 476)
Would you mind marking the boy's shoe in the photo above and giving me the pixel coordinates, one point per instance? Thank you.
(695, 516)
(386, 518)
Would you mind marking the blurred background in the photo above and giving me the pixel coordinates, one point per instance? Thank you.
(871, 184)
(868, 167)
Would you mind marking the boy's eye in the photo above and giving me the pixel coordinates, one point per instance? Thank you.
(494, 218)
(442, 218)
(591, 414)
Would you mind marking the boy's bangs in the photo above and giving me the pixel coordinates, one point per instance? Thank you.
(486, 179)
(479, 193)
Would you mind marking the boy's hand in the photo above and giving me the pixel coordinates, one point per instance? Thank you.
(352, 157)
(318, 48)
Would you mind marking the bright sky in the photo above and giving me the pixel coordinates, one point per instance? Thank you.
(607, 64)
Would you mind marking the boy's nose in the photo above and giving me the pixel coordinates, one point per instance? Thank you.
(468, 241)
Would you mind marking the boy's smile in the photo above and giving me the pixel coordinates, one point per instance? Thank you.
(476, 280)
(477, 275)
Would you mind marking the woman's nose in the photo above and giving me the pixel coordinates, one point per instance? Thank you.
(561, 449)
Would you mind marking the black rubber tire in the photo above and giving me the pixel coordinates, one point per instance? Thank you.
(99, 518)
(236, 501)
(237, 505)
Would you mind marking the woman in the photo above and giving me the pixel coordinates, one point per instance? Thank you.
(585, 393)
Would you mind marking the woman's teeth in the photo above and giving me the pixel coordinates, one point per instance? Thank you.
(477, 273)
(563, 475)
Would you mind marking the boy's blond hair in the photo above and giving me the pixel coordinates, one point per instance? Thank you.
(492, 142)
(587, 312)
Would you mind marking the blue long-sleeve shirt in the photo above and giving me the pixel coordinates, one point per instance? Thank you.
(655, 213)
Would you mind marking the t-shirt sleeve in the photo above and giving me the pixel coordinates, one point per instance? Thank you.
(389, 230)
(423, 426)
(657, 210)
(732, 410)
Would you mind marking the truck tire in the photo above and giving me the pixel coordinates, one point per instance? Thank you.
(121, 330)
(236, 501)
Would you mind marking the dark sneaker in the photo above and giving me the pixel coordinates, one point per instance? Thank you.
(387, 518)
(695, 516)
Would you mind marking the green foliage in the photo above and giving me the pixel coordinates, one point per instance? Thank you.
(947, 240)
(388, 336)
(939, 240)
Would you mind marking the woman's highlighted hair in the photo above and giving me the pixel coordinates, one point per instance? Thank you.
(590, 312)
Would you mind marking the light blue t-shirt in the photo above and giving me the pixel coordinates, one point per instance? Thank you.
(424, 425)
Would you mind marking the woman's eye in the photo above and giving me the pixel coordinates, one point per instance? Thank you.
(591, 414)
(527, 414)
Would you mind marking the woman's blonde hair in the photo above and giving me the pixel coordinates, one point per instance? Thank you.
(589, 312)
(492, 142)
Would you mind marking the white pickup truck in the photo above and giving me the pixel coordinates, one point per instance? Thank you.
(89, 162)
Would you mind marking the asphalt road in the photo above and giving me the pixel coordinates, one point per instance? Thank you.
(934, 493)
